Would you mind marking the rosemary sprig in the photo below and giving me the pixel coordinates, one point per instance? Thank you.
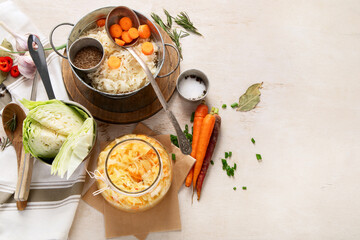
(4, 143)
(11, 124)
(176, 36)
(183, 20)
(168, 19)
(159, 21)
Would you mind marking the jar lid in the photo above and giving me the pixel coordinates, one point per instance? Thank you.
(133, 167)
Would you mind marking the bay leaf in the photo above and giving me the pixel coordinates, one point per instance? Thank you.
(6, 44)
(3, 76)
(250, 98)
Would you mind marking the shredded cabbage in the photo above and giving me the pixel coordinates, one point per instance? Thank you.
(130, 75)
(134, 168)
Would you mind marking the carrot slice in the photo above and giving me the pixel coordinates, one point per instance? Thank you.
(144, 31)
(115, 31)
(125, 37)
(147, 48)
(114, 62)
(125, 23)
(119, 41)
(101, 22)
(133, 32)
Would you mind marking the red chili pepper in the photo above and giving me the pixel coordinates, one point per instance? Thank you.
(5, 63)
(14, 72)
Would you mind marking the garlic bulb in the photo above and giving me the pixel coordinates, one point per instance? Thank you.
(21, 41)
(26, 66)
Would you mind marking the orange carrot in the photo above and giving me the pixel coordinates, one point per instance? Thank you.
(204, 138)
(125, 37)
(147, 48)
(119, 41)
(144, 31)
(101, 22)
(200, 113)
(114, 62)
(115, 30)
(133, 32)
(125, 23)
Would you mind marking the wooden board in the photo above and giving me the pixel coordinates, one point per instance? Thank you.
(132, 109)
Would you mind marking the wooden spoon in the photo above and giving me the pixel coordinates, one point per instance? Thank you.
(24, 180)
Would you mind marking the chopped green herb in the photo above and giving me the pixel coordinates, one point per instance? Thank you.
(212, 162)
(187, 134)
(234, 105)
(223, 106)
(258, 157)
(224, 163)
(230, 154)
(174, 140)
(192, 117)
(234, 188)
(173, 156)
(244, 188)
(229, 170)
(226, 155)
(253, 140)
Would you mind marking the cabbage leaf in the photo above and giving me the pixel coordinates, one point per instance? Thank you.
(73, 151)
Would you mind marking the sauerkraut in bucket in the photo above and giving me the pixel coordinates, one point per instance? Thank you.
(134, 173)
(129, 76)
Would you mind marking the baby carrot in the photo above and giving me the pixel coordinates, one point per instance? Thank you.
(147, 48)
(115, 31)
(200, 113)
(144, 31)
(125, 23)
(204, 138)
(209, 153)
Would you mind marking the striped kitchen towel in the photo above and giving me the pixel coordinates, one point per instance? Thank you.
(52, 201)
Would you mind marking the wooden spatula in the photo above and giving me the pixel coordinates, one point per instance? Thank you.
(10, 111)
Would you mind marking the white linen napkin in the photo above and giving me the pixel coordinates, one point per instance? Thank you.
(52, 201)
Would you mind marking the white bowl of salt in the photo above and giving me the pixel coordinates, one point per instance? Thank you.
(192, 85)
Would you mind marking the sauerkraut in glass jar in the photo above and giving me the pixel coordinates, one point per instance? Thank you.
(135, 171)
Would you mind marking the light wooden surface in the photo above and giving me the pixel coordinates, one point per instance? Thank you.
(133, 109)
(306, 126)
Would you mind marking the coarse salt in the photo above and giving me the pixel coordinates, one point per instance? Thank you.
(192, 87)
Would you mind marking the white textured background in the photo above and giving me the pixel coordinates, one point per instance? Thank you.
(307, 53)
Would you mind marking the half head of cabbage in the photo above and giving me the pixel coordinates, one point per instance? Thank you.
(59, 133)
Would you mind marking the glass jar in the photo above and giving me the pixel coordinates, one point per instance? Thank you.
(136, 172)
